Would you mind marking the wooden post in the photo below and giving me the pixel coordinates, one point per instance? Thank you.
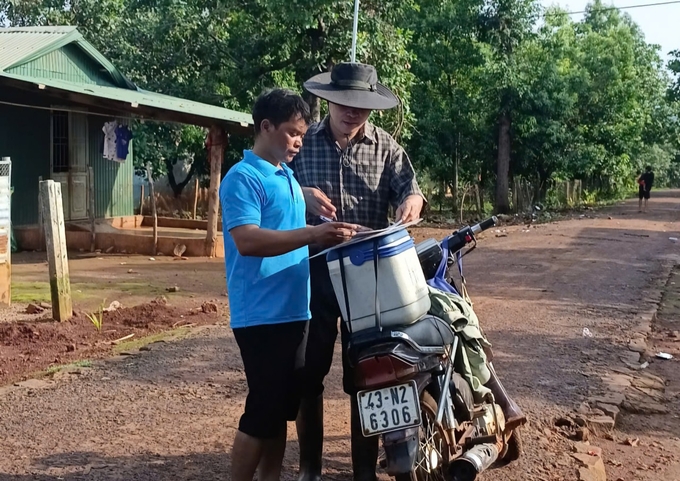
(217, 141)
(141, 200)
(55, 236)
(195, 198)
(153, 210)
(93, 239)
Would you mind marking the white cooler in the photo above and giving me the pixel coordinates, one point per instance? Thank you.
(402, 289)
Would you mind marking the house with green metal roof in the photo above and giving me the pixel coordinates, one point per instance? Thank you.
(57, 92)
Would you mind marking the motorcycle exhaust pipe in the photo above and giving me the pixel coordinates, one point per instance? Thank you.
(473, 462)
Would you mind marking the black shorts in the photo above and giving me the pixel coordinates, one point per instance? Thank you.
(643, 194)
(272, 356)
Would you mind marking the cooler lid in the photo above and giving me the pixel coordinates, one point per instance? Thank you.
(382, 241)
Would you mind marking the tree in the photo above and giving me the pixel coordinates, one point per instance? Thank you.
(451, 133)
(545, 116)
(226, 53)
(505, 25)
(620, 100)
(168, 148)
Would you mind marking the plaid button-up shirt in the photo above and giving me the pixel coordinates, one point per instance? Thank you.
(363, 180)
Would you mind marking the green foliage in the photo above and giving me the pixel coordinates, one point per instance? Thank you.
(588, 100)
(164, 146)
(227, 52)
(97, 318)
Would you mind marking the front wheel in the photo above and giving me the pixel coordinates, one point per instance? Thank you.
(433, 453)
(514, 448)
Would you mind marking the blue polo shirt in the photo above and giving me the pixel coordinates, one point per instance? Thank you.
(264, 290)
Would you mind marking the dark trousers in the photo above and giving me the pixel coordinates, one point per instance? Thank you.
(272, 357)
(323, 331)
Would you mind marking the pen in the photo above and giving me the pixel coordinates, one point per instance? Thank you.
(325, 219)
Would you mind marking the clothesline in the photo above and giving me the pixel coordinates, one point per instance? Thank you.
(74, 111)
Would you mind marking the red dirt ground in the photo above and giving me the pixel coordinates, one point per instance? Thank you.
(30, 346)
(170, 412)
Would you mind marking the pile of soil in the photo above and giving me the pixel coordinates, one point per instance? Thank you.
(31, 346)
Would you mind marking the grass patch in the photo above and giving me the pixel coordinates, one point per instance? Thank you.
(25, 292)
(137, 288)
(37, 291)
(133, 344)
(77, 364)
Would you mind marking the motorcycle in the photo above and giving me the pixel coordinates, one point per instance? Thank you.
(411, 394)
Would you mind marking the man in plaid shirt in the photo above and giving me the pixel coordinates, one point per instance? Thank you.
(352, 171)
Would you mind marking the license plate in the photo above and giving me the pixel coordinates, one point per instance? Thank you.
(388, 409)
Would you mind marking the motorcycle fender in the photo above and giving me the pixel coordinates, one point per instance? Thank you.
(401, 450)
(422, 381)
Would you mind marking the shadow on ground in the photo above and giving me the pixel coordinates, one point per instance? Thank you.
(210, 466)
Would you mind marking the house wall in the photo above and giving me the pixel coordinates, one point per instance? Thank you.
(25, 137)
(113, 181)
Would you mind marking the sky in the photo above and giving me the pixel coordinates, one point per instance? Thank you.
(660, 24)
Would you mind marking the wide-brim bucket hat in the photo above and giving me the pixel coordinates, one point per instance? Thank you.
(352, 85)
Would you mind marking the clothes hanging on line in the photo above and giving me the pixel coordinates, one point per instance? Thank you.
(117, 139)
(123, 137)
(109, 130)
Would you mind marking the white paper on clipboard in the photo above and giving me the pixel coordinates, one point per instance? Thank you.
(370, 234)
(367, 233)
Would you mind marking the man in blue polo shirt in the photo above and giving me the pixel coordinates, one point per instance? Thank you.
(266, 256)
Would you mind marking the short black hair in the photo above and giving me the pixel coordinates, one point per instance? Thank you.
(279, 106)
(648, 168)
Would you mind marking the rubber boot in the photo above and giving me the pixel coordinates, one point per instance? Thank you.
(309, 425)
(364, 450)
(514, 417)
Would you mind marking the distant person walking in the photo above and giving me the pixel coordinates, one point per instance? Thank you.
(645, 182)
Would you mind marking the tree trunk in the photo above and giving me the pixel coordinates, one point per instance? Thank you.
(502, 204)
(454, 190)
(479, 201)
(177, 188)
(217, 145)
(480, 195)
(314, 106)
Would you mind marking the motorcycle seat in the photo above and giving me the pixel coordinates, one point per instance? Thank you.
(429, 331)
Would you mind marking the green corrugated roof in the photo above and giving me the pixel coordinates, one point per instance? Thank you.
(20, 45)
(136, 98)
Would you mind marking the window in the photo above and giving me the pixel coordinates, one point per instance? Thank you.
(60, 147)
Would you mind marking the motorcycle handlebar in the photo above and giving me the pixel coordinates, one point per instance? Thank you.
(484, 225)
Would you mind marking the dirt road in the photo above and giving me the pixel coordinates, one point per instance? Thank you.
(169, 412)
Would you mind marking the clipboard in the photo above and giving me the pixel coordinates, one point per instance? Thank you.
(371, 234)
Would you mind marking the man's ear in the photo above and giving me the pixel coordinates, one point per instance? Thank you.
(266, 125)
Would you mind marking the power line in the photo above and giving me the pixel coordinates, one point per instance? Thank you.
(642, 5)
